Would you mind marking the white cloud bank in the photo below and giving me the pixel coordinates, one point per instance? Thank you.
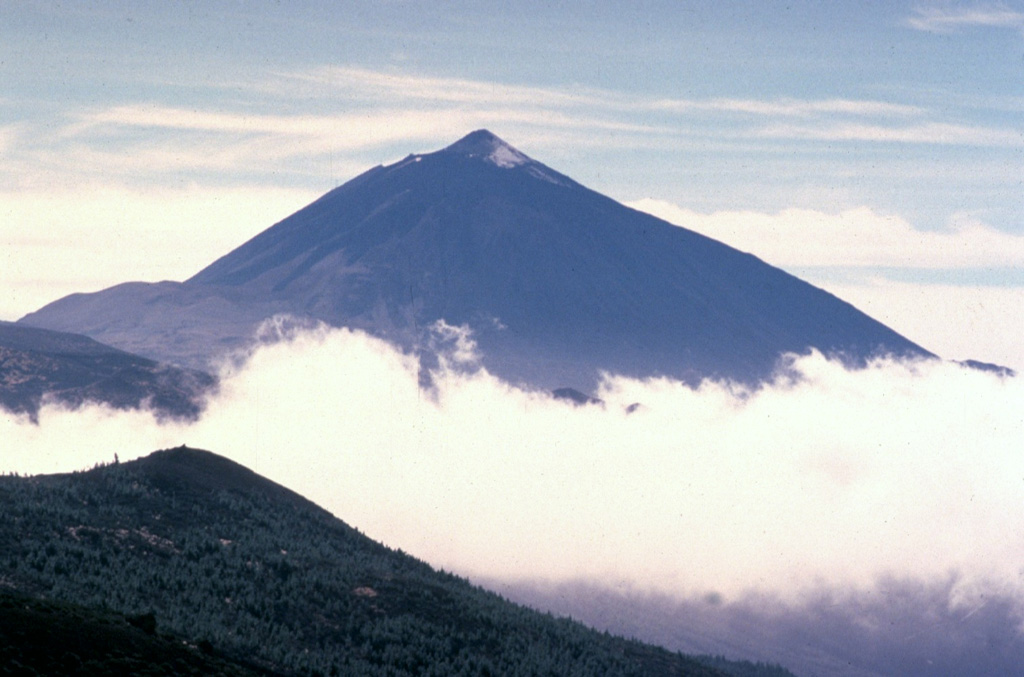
(852, 237)
(909, 470)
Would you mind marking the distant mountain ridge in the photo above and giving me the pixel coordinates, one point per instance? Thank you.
(557, 282)
(37, 365)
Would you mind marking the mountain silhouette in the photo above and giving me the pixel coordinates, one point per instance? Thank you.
(558, 283)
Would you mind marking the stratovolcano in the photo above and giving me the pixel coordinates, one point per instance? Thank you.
(557, 283)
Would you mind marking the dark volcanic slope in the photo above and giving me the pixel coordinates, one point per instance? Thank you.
(557, 281)
(225, 558)
(73, 369)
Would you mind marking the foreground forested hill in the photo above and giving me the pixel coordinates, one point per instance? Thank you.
(222, 558)
(40, 637)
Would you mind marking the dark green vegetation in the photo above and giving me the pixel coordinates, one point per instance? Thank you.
(73, 369)
(225, 559)
(40, 637)
(745, 668)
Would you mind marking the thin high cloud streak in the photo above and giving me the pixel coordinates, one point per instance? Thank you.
(951, 19)
(931, 133)
(837, 479)
(388, 109)
(432, 107)
(370, 85)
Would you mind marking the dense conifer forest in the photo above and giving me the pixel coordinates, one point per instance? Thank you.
(197, 550)
(40, 637)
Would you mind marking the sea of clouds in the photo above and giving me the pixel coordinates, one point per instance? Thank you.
(825, 479)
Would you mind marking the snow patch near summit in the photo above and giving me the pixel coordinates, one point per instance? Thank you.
(506, 156)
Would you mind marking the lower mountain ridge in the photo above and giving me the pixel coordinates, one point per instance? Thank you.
(38, 365)
(189, 546)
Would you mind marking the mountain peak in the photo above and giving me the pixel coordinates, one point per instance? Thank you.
(201, 471)
(488, 147)
(557, 282)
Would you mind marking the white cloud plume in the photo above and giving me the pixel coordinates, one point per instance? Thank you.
(840, 478)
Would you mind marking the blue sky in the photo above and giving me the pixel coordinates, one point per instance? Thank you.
(873, 148)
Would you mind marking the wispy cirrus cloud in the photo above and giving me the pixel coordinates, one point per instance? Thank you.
(787, 107)
(373, 85)
(354, 116)
(369, 110)
(148, 139)
(357, 129)
(934, 133)
(272, 136)
(951, 19)
(382, 108)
